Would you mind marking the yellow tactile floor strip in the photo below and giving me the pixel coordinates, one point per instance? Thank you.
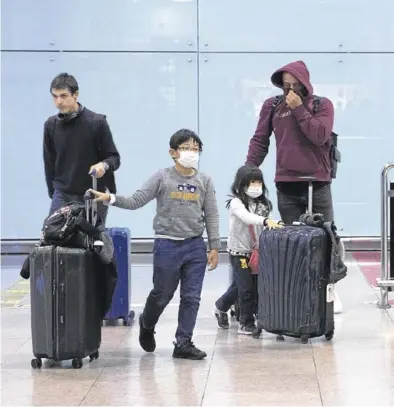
(13, 296)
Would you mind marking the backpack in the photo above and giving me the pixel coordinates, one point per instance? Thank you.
(68, 227)
(335, 154)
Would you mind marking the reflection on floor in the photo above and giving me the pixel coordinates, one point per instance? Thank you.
(355, 369)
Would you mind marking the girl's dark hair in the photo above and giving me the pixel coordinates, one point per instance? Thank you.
(245, 175)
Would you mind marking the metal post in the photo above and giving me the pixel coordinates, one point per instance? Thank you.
(310, 192)
(310, 196)
(385, 282)
(93, 202)
(391, 220)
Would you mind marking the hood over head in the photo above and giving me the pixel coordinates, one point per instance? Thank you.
(299, 70)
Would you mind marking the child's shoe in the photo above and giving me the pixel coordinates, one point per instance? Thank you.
(222, 318)
(146, 337)
(246, 329)
(188, 351)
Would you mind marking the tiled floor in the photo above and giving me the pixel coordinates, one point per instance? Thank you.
(355, 369)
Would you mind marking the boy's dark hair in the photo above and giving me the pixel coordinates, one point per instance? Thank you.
(65, 81)
(245, 175)
(183, 135)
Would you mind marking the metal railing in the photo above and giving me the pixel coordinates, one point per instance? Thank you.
(10, 247)
(385, 282)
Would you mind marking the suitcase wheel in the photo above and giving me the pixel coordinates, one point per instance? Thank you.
(93, 356)
(129, 320)
(77, 363)
(280, 338)
(36, 363)
(329, 335)
(304, 339)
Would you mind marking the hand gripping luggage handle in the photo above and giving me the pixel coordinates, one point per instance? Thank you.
(310, 192)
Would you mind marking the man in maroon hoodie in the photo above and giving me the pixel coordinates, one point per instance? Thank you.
(303, 139)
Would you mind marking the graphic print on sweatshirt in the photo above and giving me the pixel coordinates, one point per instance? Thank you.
(185, 193)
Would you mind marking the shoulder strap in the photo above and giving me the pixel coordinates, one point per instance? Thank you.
(316, 102)
(253, 235)
(275, 104)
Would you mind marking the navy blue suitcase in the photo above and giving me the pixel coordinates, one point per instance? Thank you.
(121, 301)
(294, 283)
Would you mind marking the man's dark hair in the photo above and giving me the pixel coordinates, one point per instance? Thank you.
(65, 81)
(183, 135)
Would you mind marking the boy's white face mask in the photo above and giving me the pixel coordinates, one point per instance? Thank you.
(189, 159)
(254, 192)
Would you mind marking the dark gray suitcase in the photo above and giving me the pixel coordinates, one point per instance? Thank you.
(65, 309)
(65, 305)
(293, 283)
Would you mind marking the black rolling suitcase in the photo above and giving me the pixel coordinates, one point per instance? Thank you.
(65, 310)
(294, 290)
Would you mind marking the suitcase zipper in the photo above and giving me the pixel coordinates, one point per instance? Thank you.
(60, 301)
(54, 302)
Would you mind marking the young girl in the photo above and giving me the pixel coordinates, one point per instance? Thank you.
(249, 205)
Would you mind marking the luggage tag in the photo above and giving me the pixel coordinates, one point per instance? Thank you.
(330, 292)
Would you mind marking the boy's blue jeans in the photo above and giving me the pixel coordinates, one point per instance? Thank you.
(175, 261)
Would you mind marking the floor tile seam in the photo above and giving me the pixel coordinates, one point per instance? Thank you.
(105, 366)
(209, 370)
(317, 376)
(17, 350)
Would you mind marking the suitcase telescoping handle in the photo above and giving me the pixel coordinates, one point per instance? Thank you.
(90, 204)
(310, 192)
(94, 180)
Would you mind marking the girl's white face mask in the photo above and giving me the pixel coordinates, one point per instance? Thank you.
(189, 159)
(254, 192)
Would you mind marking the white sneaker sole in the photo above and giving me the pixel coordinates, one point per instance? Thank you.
(241, 332)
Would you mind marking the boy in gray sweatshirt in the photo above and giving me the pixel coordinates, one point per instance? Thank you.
(186, 204)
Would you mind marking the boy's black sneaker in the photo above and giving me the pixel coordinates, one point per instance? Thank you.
(222, 318)
(188, 351)
(147, 337)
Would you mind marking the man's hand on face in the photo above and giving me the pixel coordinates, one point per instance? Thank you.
(293, 100)
(98, 170)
